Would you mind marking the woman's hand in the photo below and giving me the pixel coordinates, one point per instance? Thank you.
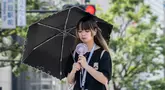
(82, 61)
(76, 67)
(71, 75)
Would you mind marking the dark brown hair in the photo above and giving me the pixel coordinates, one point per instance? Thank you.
(88, 23)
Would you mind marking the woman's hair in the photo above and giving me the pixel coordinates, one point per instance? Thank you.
(88, 23)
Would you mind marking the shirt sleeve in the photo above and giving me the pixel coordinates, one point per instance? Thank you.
(68, 65)
(105, 65)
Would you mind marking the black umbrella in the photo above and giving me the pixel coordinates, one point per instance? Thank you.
(50, 41)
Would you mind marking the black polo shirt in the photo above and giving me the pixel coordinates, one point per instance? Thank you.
(104, 65)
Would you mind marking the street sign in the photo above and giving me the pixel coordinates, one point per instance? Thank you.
(21, 12)
(8, 14)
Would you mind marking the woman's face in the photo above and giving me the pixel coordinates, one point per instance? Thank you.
(85, 35)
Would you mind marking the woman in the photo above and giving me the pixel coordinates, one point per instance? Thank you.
(98, 71)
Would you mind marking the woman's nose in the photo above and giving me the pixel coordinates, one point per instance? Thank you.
(83, 33)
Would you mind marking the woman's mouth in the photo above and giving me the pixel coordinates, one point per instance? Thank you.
(83, 38)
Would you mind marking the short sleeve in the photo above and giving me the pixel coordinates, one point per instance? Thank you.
(68, 65)
(105, 65)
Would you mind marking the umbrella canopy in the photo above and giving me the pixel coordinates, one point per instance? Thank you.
(50, 41)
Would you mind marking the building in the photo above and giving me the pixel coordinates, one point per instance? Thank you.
(5, 78)
(32, 80)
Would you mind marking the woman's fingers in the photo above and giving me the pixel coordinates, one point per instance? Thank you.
(80, 57)
(77, 66)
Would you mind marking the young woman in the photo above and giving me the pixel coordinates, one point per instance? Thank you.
(99, 69)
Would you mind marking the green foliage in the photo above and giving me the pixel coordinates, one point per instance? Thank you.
(135, 44)
(14, 50)
(34, 4)
(158, 84)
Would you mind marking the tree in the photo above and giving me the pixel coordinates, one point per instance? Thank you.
(158, 84)
(135, 44)
(12, 41)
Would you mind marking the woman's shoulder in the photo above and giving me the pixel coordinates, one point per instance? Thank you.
(102, 50)
(103, 53)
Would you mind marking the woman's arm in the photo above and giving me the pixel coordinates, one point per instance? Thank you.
(104, 70)
(71, 75)
(99, 76)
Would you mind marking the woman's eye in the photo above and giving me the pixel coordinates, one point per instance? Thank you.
(79, 31)
(87, 31)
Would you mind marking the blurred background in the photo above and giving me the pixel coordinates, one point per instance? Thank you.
(137, 42)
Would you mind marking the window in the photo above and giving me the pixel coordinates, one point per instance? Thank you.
(34, 87)
(46, 86)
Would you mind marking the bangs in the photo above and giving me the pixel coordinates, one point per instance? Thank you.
(85, 26)
(86, 23)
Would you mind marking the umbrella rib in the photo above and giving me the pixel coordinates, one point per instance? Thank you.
(54, 28)
(70, 29)
(57, 29)
(66, 19)
(45, 41)
(49, 27)
(71, 35)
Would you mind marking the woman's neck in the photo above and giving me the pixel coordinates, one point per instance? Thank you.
(90, 45)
